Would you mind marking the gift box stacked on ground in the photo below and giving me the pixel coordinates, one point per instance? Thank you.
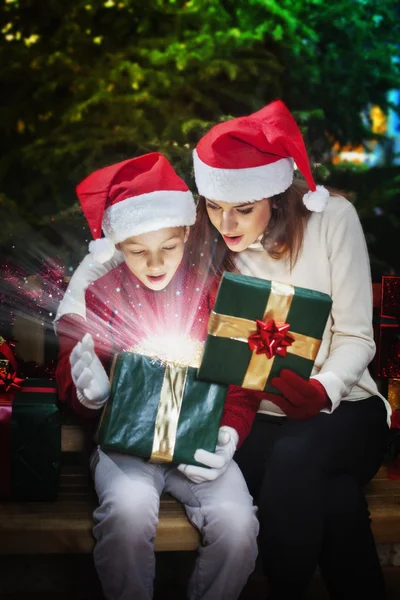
(259, 327)
(387, 337)
(30, 434)
(158, 410)
(386, 364)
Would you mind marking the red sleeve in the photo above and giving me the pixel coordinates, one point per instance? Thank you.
(240, 410)
(70, 330)
(213, 291)
(99, 318)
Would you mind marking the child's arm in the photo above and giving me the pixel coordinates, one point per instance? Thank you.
(70, 330)
(241, 405)
(240, 409)
(237, 419)
(88, 374)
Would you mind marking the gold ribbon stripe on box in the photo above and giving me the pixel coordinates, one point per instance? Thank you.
(168, 411)
(169, 408)
(238, 329)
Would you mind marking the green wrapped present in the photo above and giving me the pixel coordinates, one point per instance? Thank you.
(160, 411)
(30, 441)
(259, 327)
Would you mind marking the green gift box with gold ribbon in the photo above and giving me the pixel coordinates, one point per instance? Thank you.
(259, 327)
(160, 411)
(30, 442)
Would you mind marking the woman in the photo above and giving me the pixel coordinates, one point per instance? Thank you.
(312, 449)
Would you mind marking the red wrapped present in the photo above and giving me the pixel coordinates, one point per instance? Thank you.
(390, 298)
(30, 434)
(387, 338)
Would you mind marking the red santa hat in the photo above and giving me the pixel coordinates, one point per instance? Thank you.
(132, 197)
(251, 158)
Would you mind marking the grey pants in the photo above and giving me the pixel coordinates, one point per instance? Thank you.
(129, 492)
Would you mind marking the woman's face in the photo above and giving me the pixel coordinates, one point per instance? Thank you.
(239, 224)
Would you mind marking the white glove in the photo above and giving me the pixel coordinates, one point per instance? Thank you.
(88, 374)
(218, 461)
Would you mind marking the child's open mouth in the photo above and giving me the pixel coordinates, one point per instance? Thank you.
(232, 240)
(156, 278)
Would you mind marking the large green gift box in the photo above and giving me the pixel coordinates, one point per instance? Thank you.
(160, 411)
(259, 327)
(30, 441)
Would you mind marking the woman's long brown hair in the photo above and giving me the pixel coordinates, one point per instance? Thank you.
(283, 237)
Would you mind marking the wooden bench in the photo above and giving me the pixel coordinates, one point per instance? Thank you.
(65, 526)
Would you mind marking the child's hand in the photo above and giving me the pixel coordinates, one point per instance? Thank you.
(88, 374)
(218, 460)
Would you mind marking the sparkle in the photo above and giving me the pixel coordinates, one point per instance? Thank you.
(178, 293)
(117, 289)
(171, 348)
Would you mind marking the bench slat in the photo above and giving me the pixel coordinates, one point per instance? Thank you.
(65, 526)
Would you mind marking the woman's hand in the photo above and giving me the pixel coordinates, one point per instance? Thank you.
(218, 461)
(301, 399)
(88, 374)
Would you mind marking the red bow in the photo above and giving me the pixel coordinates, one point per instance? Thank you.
(8, 369)
(271, 338)
(11, 383)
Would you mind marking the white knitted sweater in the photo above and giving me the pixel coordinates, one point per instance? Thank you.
(334, 260)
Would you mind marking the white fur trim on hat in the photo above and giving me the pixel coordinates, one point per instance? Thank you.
(148, 212)
(316, 201)
(101, 250)
(242, 185)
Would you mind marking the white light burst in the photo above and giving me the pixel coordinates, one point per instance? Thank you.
(175, 349)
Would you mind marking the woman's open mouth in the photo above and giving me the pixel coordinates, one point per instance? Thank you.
(232, 240)
(156, 278)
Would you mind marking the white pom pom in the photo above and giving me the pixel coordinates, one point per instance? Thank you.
(101, 250)
(316, 201)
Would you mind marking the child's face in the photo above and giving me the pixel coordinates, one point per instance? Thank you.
(155, 256)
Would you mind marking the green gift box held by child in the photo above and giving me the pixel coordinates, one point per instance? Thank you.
(156, 302)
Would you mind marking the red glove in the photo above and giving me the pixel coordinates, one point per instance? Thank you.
(301, 399)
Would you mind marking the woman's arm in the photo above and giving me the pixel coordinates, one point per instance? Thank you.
(86, 273)
(352, 346)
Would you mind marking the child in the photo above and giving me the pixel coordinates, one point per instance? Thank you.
(145, 209)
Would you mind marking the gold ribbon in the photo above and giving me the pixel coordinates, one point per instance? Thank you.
(169, 408)
(394, 393)
(239, 329)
